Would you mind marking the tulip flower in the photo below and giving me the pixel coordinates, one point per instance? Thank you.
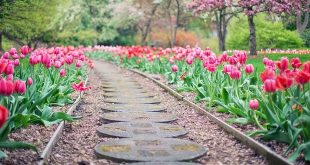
(80, 87)
(249, 68)
(78, 64)
(62, 73)
(9, 69)
(253, 104)
(295, 62)
(4, 113)
(25, 50)
(227, 68)
(174, 68)
(12, 51)
(29, 81)
(6, 55)
(302, 77)
(267, 74)
(283, 82)
(20, 87)
(235, 74)
(270, 85)
(283, 64)
(57, 64)
(16, 62)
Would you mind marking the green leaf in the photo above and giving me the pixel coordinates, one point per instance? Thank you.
(17, 145)
(238, 120)
(225, 96)
(2, 155)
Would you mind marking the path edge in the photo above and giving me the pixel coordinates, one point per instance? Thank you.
(271, 157)
(57, 134)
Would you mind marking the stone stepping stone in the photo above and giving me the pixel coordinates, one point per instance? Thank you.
(140, 129)
(136, 95)
(131, 100)
(163, 163)
(125, 89)
(134, 108)
(151, 149)
(139, 116)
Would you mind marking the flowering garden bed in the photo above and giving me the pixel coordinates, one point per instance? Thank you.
(34, 85)
(273, 104)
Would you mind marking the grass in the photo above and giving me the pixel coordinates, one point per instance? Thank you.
(258, 60)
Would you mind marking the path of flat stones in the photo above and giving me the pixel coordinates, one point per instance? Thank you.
(141, 125)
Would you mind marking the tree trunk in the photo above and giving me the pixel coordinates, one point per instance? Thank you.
(148, 25)
(252, 35)
(1, 48)
(220, 29)
(177, 23)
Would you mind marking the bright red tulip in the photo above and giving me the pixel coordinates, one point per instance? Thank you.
(253, 104)
(4, 113)
(270, 85)
(20, 87)
(302, 77)
(295, 62)
(249, 68)
(283, 82)
(306, 67)
(283, 64)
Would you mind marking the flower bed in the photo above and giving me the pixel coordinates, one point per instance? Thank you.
(32, 81)
(276, 101)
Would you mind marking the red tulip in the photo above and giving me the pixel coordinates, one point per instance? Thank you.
(6, 87)
(62, 73)
(174, 68)
(20, 87)
(270, 85)
(283, 64)
(302, 77)
(3, 66)
(283, 82)
(306, 67)
(211, 68)
(4, 113)
(29, 81)
(267, 74)
(80, 87)
(235, 74)
(249, 68)
(296, 63)
(253, 104)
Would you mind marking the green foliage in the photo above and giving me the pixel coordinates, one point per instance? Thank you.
(306, 37)
(269, 35)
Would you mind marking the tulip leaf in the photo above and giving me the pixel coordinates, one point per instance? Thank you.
(2, 154)
(17, 145)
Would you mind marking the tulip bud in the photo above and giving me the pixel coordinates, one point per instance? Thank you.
(57, 64)
(78, 64)
(25, 50)
(62, 73)
(254, 104)
(174, 68)
(235, 74)
(16, 62)
(29, 81)
(12, 51)
(6, 55)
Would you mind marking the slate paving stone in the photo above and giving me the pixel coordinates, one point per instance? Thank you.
(134, 108)
(138, 116)
(151, 149)
(131, 100)
(137, 95)
(140, 129)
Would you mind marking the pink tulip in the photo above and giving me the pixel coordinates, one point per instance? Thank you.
(174, 68)
(78, 64)
(227, 68)
(249, 68)
(20, 87)
(9, 69)
(62, 73)
(270, 85)
(25, 50)
(12, 51)
(235, 74)
(6, 55)
(29, 81)
(6, 87)
(16, 62)
(254, 104)
(10, 77)
(57, 64)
